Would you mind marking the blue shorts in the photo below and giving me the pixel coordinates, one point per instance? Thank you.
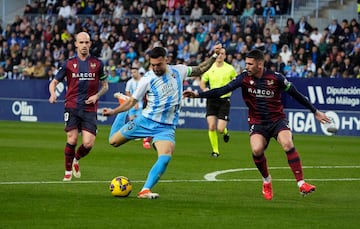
(134, 112)
(142, 127)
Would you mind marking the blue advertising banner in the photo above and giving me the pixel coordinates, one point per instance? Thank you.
(328, 94)
(27, 101)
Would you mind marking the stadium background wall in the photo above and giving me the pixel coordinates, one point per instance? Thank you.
(27, 101)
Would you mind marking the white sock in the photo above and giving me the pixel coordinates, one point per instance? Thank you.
(300, 182)
(267, 179)
(68, 172)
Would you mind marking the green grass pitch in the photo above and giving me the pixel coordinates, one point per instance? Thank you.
(32, 194)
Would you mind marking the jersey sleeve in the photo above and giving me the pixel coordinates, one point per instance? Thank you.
(217, 92)
(185, 71)
(283, 82)
(291, 90)
(102, 74)
(61, 73)
(141, 89)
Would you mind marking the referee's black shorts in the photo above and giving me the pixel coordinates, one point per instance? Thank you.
(219, 107)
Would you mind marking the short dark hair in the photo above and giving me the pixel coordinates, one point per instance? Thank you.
(157, 52)
(255, 54)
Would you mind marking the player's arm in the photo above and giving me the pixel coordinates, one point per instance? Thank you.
(103, 89)
(216, 92)
(320, 116)
(205, 65)
(52, 90)
(123, 107)
(60, 75)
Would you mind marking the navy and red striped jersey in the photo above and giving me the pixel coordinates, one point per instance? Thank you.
(263, 96)
(83, 80)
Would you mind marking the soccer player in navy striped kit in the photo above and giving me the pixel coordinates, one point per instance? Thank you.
(86, 82)
(163, 87)
(261, 91)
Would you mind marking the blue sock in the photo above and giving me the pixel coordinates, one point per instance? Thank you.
(118, 123)
(156, 171)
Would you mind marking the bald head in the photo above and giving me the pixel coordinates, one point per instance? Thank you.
(83, 44)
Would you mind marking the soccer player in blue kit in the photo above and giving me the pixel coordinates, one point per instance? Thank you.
(84, 74)
(162, 86)
(261, 91)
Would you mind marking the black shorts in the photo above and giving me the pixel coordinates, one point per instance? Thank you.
(81, 120)
(269, 130)
(219, 107)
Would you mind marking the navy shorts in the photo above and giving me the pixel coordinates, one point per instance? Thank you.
(219, 107)
(81, 120)
(269, 130)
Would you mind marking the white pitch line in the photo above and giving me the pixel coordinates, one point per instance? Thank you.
(210, 177)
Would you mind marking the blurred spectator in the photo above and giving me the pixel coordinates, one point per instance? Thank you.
(259, 9)
(279, 65)
(269, 10)
(348, 67)
(285, 53)
(193, 46)
(320, 73)
(293, 73)
(315, 36)
(28, 71)
(307, 44)
(113, 77)
(248, 11)
(310, 65)
(196, 12)
(286, 38)
(106, 53)
(291, 25)
(119, 10)
(147, 11)
(334, 28)
(39, 70)
(131, 54)
(271, 25)
(65, 9)
(302, 27)
(334, 73)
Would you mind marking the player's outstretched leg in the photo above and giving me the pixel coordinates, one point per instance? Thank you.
(154, 175)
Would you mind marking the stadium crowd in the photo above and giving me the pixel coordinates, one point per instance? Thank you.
(123, 32)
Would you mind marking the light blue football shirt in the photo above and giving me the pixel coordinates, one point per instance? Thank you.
(163, 93)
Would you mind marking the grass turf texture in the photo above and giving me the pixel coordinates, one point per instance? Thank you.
(32, 194)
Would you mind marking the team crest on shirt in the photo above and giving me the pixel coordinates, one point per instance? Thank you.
(92, 65)
(270, 82)
(74, 65)
(252, 82)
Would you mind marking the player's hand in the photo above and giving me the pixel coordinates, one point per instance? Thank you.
(322, 117)
(190, 94)
(107, 112)
(217, 48)
(92, 99)
(52, 99)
